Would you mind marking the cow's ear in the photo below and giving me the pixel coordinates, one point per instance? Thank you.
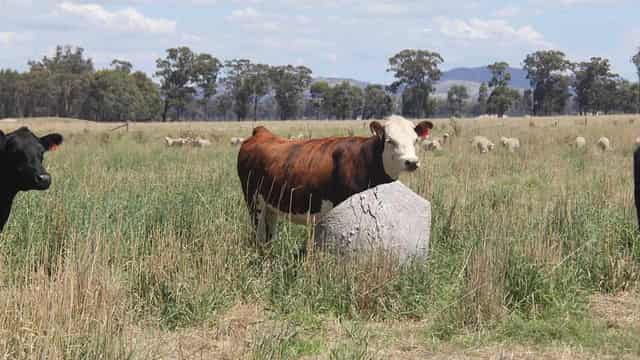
(3, 140)
(377, 129)
(422, 129)
(51, 141)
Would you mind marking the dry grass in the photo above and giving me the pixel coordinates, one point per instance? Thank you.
(143, 251)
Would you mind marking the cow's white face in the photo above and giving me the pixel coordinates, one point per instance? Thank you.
(400, 137)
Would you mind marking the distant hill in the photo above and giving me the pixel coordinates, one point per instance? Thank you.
(482, 74)
(468, 77)
(332, 81)
(471, 78)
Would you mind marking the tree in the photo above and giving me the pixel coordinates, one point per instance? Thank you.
(223, 104)
(483, 96)
(344, 101)
(526, 104)
(502, 97)
(626, 96)
(122, 65)
(151, 105)
(545, 71)
(636, 61)
(205, 77)
(257, 81)
(35, 94)
(456, 96)
(592, 82)
(500, 75)
(68, 73)
(377, 103)
(176, 73)
(112, 96)
(289, 83)
(9, 82)
(319, 92)
(236, 83)
(416, 70)
(117, 95)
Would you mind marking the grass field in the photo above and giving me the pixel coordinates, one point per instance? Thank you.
(143, 251)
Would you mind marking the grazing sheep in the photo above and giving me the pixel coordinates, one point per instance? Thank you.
(604, 144)
(580, 142)
(512, 144)
(235, 141)
(432, 145)
(445, 138)
(175, 141)
(482, 143)
(436, 143)
(199, 142)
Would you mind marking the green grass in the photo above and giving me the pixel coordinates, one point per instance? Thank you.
(136, 235)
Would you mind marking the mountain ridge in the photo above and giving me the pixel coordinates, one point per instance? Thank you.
(470, 77)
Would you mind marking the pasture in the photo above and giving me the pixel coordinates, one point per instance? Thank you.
(143, 251)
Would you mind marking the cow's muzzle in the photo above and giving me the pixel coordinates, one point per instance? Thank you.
(411, 165)
(43, 181)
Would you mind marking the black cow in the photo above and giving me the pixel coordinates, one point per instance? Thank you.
(21, 155)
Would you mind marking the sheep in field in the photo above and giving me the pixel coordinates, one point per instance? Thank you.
(512, 144)
(235, 141)
(483, 144)
(580, 142)
(432, 145)
(604, 144)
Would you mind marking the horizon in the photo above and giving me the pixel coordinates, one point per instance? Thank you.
(334, 38)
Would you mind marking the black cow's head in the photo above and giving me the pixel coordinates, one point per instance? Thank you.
(21, 155)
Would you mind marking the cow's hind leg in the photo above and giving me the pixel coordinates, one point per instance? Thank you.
(265, 221)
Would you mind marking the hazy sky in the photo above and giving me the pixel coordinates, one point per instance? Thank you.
(345, 38)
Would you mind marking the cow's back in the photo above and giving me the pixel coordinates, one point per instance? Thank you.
(293, 176)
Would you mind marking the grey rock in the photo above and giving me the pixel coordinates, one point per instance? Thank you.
(390, 217)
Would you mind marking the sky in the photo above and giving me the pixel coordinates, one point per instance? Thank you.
(338, 38)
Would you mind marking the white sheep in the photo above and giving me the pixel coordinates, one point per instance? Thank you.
(175, 141)
(436, 143)
(512, 144)
(432, 145)
(235, 141)
(445, 138)
(200, 142)
(604, 144)
(483, 144)
(580, 142)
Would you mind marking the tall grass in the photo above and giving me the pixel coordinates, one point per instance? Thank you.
(136, 235)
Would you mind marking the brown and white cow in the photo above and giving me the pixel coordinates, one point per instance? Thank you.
(303, 179)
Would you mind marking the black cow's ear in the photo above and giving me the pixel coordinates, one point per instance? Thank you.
(377, 129)
(51, 141)
(3, 140)
(422, 129)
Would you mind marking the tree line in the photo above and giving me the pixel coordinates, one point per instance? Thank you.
(199, 86)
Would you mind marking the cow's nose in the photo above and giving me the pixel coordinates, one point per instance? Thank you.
(411, 165)
(43, 180)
